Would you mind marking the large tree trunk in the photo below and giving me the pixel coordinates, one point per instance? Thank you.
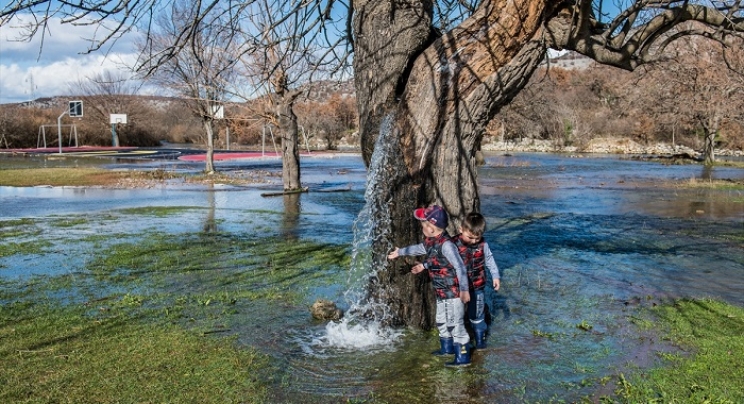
(288, 130)
(710, 129)
(439, 93)
(283, 102)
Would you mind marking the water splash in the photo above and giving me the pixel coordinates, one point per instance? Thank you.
(363, 325)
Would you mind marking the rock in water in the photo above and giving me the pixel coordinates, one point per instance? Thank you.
(325, 310)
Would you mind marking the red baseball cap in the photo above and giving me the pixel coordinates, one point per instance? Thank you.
(433, 214)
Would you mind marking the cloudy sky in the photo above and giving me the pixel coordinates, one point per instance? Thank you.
(29, 71)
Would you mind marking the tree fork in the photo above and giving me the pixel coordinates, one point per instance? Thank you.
(454, 86)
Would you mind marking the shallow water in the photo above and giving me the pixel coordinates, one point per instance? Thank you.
(578, 241)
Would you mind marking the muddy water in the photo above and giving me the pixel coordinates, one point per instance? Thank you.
(582, 244)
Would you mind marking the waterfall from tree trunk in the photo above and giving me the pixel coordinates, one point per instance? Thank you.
(365, 322)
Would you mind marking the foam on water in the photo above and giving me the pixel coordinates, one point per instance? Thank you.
(349, 335)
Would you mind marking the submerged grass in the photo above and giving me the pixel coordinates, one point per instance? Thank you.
(10, 229)
(149, 320)
(146, 339)
(158, 211)
(712, 335)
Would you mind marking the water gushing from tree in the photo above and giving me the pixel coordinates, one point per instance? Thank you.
(365, 321)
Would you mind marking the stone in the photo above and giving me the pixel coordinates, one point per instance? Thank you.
(325, 310)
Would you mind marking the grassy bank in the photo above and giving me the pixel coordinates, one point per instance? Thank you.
(78, 355)
(69, 176)
(710, 365)
(80, 177)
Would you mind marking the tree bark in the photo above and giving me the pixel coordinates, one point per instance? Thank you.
(289, 130)
(710, 129)
(440, 93)
(209, 131)
(283, 102)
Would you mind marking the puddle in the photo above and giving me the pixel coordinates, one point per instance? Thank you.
(579, 241)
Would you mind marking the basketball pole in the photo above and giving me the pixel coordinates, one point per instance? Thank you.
(59, 130)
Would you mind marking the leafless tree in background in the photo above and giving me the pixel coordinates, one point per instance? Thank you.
(692, 89)
(280, 65)
(203, 72)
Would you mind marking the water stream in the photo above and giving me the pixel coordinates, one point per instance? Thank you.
(578, 241)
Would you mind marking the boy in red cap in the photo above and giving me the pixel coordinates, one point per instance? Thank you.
(449, 279)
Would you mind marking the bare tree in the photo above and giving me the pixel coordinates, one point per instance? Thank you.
(717, 94)
(286, 59)
(430, 75)
(692, 89)
(202, 72)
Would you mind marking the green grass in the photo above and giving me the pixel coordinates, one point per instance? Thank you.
(76, 355)
(10, 229)
(149, 320)
(710, 368)
(60, 176)
(24, 247)
(723, 185)
(158, 211)
(76, 176)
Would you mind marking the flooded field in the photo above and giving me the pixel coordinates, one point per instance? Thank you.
(583, 244)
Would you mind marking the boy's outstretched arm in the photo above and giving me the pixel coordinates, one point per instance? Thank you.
(394, 254)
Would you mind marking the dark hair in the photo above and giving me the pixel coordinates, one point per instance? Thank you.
(475, 223)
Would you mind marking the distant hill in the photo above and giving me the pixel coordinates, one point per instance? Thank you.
(570, 61)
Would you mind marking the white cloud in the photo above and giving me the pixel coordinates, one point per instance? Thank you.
(25, 73)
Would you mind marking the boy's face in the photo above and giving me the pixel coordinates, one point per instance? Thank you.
(429, 229)
(468, 238)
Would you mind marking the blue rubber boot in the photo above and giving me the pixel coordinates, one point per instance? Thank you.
(446, 347)
(462, 356)
(480, 339)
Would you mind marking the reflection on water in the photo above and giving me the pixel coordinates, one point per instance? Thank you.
(577, 240)
(291, 215)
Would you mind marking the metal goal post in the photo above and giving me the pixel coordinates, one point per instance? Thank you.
(41, 138)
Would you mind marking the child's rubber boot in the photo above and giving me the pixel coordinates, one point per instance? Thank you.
(446, 347)
(462, 356)
(480, 339)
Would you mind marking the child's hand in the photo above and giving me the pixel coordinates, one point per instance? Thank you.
(496, 284)
(465, 296)
(393, 255)
(418, 268)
